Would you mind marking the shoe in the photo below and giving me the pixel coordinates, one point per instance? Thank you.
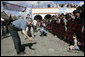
(45, 34)
(21, 53)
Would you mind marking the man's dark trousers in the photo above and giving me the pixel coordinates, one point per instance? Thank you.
(29, 31)
(16, 39)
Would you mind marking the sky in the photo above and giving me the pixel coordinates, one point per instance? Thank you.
(42, 4)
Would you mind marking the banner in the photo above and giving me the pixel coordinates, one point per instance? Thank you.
(13, 7)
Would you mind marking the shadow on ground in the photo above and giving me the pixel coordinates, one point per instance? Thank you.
(28, 45)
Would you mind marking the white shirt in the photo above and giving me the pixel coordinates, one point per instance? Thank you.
(75, 41)
(34, 22)
(65, 20)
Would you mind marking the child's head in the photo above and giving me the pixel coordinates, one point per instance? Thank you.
(74, 36)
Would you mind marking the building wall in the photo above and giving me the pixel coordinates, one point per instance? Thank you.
(69, 10)
(45, 10)
(42, 15)
(52, 11)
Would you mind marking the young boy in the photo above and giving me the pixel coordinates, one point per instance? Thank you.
(42, 30)
(75, 46)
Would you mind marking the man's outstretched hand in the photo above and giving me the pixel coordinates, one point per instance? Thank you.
(30, 39)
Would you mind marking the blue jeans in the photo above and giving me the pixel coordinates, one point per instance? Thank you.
(43, 32)
(76, 48)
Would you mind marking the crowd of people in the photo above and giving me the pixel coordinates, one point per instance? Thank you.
(68, 5)
(66, 25)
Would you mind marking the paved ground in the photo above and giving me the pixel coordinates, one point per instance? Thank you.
(43, 46)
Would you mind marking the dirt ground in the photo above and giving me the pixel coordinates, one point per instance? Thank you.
(43, 46)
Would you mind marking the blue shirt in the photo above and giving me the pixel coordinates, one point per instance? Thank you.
(20, 24)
